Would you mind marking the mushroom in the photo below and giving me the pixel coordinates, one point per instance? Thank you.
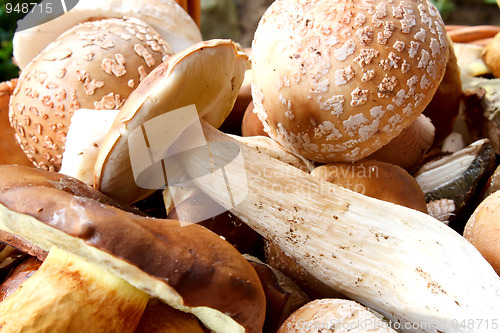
(207, 75)
(453, 183)
(18, 275)
(63, 308)
(251, 124)
(335, 80)
(311, 285)
(283, 296)
(375, 179)
(483, 229)
(225, 224)
(159, 317)
(94, 65)
(491, 57)
(381, 180)
(165, 16)
(444, 106)
(409, 148)
(334, 315)
(469, 60)
(106, 261)
(10, 152)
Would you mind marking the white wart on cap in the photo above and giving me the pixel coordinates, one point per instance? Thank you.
(94, 65)
(336, 80)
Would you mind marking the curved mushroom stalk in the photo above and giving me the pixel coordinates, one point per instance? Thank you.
(400, 262)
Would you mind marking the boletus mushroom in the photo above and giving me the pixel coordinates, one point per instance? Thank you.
(336, 80)
(483, 230)
(102, 264)
(381, 180)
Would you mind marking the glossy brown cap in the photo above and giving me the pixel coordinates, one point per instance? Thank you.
(186, 266)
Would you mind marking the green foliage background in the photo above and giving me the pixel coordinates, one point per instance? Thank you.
(7, 27)
(446, 6)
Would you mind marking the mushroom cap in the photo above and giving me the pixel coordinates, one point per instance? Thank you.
(409, 148)
(10, 152)
(165, 16)
(336, 80)
(376, 179)
(94, 65)
(334, 315)
(483, 229)
(208, 75)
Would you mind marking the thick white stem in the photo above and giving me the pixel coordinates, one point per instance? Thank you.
(400, 262)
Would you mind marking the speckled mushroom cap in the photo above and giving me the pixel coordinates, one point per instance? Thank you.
(165, 16)
(336, 80)
(94, 65)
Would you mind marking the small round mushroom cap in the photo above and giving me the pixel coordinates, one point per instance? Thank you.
(165, 16)
(207, 75)
(483, 229)
(334, 315)
(94, 65)
(336, 80)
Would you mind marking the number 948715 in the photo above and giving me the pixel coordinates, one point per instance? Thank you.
(26, 7)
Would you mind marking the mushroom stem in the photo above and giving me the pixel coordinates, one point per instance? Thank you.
(86, 132)
(400, 262)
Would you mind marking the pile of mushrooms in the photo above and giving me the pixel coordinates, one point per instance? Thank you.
(333, 83)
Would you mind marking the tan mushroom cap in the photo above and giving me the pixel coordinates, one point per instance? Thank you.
(334, 315)
(207, 75)
(168, 18)
(336, 80)
(94, 65)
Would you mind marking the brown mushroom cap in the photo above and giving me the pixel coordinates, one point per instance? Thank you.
(336, 80)
(444, 106)
(376, 179)
(10, 152)
(483, 230)
(165, 16)
(186, 266)
(408, 149)
(94, 65)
